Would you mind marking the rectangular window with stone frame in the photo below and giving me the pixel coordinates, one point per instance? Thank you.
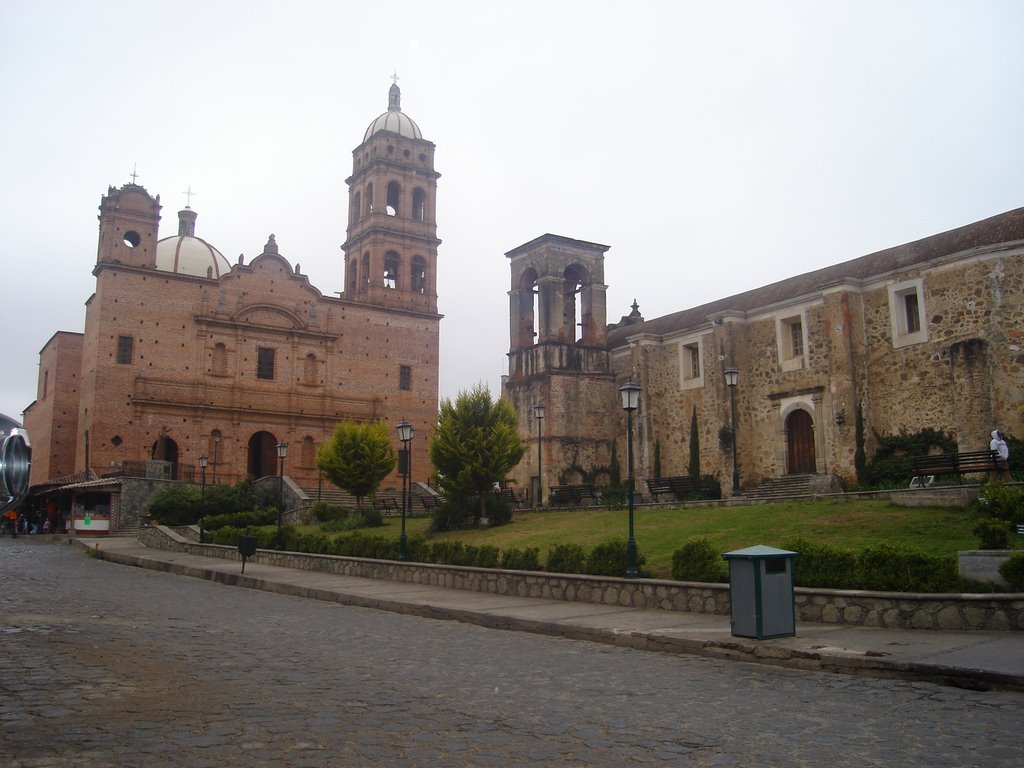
(907, 313)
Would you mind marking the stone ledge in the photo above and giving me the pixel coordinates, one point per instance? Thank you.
(1002, 612)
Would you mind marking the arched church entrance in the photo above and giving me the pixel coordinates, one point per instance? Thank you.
(165, 449)
(262, 455)
(800, 443)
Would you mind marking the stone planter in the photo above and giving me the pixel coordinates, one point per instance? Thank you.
(983, 565)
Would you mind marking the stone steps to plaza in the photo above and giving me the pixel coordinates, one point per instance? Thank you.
(337, 497)
(786, 487)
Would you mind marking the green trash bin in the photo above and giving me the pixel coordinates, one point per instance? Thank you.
(761, 597)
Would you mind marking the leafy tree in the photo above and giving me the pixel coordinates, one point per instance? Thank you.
(694, 467)
(182, 503)
(476, 443)
(175, 504)
(357, 457)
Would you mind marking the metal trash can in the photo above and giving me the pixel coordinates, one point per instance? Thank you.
(246, 548)
(762, 601)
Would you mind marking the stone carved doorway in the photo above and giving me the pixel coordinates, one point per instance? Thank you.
(800, 443)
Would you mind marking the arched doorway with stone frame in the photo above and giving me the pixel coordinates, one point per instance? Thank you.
(262, 458)
(801, 454)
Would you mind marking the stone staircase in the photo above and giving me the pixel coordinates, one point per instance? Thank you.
(787, 487)
(129, 529)
(336, 497)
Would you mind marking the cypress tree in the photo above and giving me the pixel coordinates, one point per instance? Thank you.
(859, 459)
(614, 472)
(694, 467)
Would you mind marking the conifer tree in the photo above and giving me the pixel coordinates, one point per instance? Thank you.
(694, 466)
(615, 471)
(859, 456)
(357, 457)
(476, 443)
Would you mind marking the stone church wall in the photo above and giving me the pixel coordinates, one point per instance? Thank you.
(965, 377)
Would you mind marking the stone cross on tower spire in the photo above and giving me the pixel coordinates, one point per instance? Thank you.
(395, 95)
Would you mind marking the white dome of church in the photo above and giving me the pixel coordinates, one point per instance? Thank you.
(186, 254)
(394, 120)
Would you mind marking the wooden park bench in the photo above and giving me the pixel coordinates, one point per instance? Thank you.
(511, 496)
(430, 502)
(579, 495)
(958, 464)
(680, 487)
(387, 505)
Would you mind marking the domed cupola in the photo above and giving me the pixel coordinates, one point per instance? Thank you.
(394, 120)
(186, 254)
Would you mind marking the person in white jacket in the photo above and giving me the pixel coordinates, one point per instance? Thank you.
(998, 444)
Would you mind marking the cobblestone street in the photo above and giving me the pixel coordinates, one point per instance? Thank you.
(107, 665)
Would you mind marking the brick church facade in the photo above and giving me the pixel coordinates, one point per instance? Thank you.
(923, 335)
(184, 354)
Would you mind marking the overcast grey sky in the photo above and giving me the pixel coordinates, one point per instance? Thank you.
(715, 146)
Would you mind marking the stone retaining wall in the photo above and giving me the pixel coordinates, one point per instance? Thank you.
(830, 606)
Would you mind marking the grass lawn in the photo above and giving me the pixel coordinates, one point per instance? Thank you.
(850, 524)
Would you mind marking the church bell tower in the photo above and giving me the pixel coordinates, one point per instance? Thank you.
(558, 358)
(391, 245)
(129, 218)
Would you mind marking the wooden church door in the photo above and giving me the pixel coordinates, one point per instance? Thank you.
(800, 434)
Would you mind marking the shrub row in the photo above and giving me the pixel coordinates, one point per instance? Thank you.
(240, 519)
(607, 559)
(351, 521)
(184, 504)
(1013, 571)
(881, 567)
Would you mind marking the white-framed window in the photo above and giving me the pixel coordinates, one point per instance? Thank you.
(791, 335)
(907, 313)
(691, 363)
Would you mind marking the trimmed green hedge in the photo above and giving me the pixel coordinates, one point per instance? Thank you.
(697, 560)
(819, 565)
(882, 567)
(240, 519)
(606, 559)
(1013, 571)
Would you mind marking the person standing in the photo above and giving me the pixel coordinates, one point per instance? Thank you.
(998, 444)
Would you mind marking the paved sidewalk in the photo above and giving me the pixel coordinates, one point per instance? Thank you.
(974, 660)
